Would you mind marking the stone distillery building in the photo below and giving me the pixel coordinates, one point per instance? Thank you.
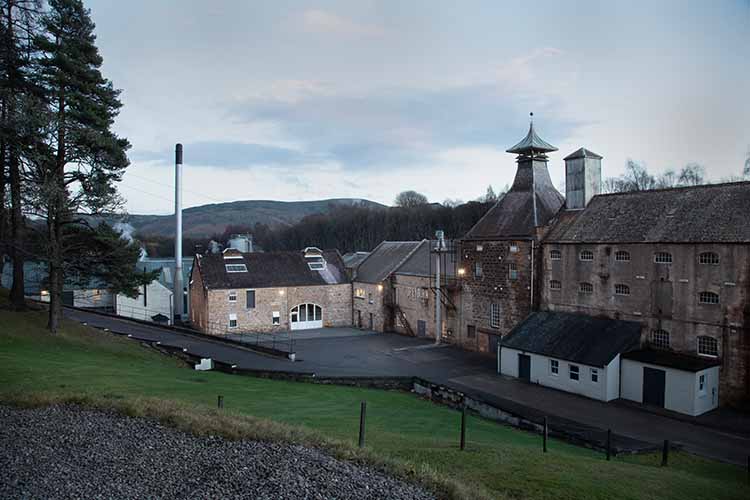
(235, 292)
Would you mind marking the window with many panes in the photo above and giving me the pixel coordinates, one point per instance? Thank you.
(275, 318)
(232, 296)
(554, 367)
(495, 315)
(702, 384)
(709, 258)
(513, 248)
(586, 255)
(555, 254)
(574, 371)
(621, 289)
(595, 375)
(359, 293)
(708, 298)
(660, 338)
(513, 271)
(663, 258)
(555, 285)
(585, 288)
(622, 256)
(708, 346)
(232, 321)
(477, 269)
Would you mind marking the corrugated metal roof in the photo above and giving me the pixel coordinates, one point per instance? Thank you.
(574, 337)
(422, 262)
(711, 214)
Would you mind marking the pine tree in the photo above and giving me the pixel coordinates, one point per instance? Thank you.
(85, 158)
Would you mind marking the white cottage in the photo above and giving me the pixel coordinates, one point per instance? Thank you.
(571, 352)
(671, 380)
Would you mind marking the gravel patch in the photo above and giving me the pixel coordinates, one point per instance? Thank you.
(69, 452)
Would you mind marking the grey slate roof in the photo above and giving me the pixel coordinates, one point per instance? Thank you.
(422, 262)
(532, 143)
(583, 153)
(717, 213)
(513, 215)
(166, 265)
(354, 259)
(271, 269)
(672, 359)
(384, 260)
(574, 337)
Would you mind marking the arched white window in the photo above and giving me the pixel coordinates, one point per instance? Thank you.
(709, 258)
(585, 288)
(708, 298)
(663, 258)
(586, 255)
(622, 256)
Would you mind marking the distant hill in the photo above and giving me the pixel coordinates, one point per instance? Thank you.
(206, 220)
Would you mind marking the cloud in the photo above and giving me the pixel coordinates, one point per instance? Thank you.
(322, 22)
(230, 155)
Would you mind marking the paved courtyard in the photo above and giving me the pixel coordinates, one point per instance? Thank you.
(351, 352)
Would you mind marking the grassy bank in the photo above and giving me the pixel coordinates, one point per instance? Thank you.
(411, 437)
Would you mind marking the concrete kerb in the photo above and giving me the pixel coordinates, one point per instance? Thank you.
(276, 353)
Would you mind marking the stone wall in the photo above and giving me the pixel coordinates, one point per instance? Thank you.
(370, 309)
(663, 297)
(335, 301)
(494, 286)
(199, 311)
(416, 298)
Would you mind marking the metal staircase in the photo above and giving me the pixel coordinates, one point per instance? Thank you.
(402, 318)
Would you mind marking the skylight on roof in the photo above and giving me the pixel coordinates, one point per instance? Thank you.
(236, 268)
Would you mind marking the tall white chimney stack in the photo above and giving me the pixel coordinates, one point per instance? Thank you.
(177, 297)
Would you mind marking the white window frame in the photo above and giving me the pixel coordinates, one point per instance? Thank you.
(660, 338)
(232, 317)
(275, 318)
(555, 285)
(585, 288)
(513, 248)
(495, 316)
(232, 296)
(554, 367)
(622, 289)
(587, 254)
(663, 258)
(707, 341)
(577, 372)
(555, 254)
(622, 256)
(705, 294)
(709, 258)
(702, 384)
(594, 375)
(235, 268)
(513, 273)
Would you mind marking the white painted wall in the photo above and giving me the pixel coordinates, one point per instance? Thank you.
(158, 300)
(680, 387)
(541, 374)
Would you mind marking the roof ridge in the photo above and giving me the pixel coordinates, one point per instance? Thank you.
(675, 188)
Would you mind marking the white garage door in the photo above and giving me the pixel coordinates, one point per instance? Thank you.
(306, 316)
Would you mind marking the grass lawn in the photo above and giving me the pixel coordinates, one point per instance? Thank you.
(418, 436)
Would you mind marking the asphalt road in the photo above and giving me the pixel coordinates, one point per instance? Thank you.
(349, 352)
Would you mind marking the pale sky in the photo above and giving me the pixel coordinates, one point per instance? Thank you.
(300, 100)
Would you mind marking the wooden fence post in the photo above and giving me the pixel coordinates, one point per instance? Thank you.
(665, 453)
(544, 435)
(463, 427)
(362, 415)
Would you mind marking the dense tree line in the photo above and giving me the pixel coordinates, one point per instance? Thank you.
(59, 158)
